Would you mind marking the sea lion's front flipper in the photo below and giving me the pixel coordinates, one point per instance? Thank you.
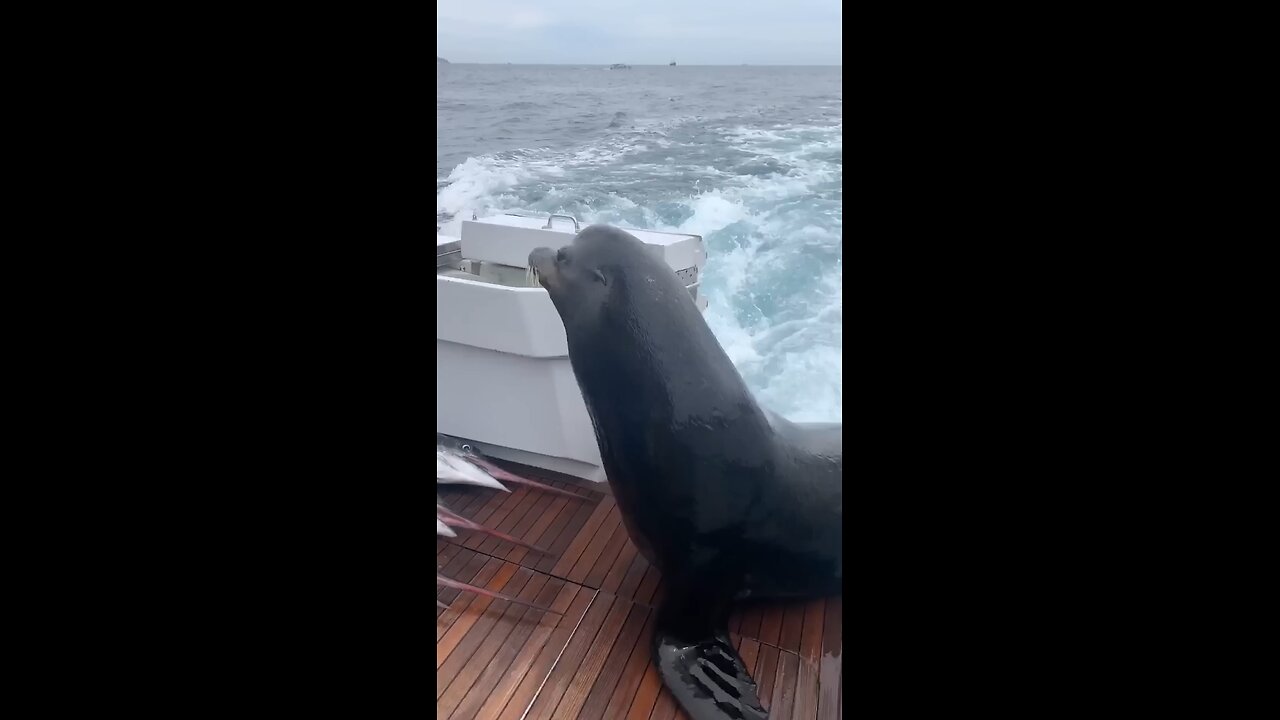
(699, 664)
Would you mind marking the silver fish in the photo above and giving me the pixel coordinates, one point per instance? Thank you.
(466, 453)
(451, 467)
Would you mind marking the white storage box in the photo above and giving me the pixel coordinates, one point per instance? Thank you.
(503, 378)
(508, 240)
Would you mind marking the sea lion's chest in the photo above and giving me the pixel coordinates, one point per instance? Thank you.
(672, 512)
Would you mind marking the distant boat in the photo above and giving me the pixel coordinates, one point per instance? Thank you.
(441, 61)
(672, 63)
(619, 66)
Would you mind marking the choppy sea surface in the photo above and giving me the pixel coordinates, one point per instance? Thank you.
(750, 158)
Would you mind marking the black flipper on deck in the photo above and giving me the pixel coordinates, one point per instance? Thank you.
(699, 664)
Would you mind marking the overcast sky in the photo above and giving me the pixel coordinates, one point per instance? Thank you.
(640, 32)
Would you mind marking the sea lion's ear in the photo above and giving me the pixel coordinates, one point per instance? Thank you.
(600, 277)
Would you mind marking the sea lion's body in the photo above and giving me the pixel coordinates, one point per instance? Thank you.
(729, 500)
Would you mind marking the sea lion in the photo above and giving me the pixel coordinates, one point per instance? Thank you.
(728, 500)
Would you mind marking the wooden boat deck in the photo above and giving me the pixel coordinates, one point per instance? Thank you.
(495, 659)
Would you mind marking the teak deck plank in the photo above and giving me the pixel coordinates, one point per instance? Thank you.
(646, 695)
(765, 673)
(595, 576)
(631, 581)
(568, 534)
(526, 621)
(588, 673)
(561, 673)
(618, 571)
(784, 686)
(473, 571)
(610, 677)
(571, 554)
(461, 627)
(496, 659)
(539, 639)
(829, 663)
(468, 660)
(810, 650)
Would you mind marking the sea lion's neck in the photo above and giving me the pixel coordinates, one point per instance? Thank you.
(661, 393)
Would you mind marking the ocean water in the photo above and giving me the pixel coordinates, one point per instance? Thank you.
(750, 158)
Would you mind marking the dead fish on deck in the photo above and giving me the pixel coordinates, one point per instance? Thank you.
(450, 519)
(464, 458)
(442, 580)
(459, 463)
(452, 468)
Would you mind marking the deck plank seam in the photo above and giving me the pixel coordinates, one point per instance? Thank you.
(594, 596)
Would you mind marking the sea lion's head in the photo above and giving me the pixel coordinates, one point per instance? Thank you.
(641, 351)
(603, 271)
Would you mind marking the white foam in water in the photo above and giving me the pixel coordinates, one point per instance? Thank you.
(712, 212)
(471, 184)
(773, 275)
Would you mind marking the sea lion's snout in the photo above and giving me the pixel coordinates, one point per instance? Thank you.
(542, 256)
(543, 262)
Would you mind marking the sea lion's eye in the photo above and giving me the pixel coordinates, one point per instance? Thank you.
(600, 277)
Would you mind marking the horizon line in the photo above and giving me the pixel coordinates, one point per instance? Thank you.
(460, 62)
